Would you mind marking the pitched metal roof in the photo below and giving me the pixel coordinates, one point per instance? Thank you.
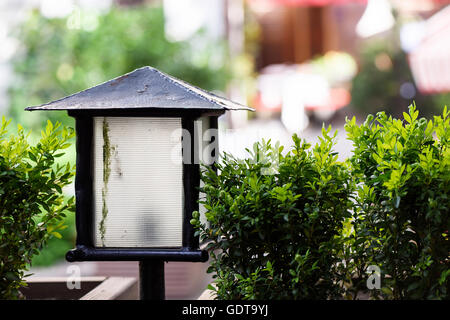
(145, 87)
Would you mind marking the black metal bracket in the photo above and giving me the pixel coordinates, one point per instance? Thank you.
(84, 253)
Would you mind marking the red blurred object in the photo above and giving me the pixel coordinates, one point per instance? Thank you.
(339, 98)
(430, 60)
(259, 105)
(329, 2)
(316, 2)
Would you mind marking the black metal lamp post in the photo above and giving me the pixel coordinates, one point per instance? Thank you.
(137, 172)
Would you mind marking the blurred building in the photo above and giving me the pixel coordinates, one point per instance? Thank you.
(296, 33)
(296, 36)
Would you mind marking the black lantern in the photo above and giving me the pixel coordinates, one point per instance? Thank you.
(140, 139)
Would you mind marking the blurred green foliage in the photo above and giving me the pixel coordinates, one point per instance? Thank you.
(377, 87)
(62, 56)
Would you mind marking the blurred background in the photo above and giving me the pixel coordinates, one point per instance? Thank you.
(298, 63)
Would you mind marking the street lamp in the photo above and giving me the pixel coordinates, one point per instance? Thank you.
(140, 140)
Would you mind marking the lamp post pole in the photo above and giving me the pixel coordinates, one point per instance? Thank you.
(151, 280)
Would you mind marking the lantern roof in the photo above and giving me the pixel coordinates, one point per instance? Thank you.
(143, 88)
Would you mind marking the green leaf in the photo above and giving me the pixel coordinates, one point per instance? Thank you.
(57, 234)
(211, 287)
(413, 286)
(407, 117)
(387, 291)
(377, 158)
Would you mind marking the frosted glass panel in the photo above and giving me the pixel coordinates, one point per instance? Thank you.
(201, 126)
(138, 182)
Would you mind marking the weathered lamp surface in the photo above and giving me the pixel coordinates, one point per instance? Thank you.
(135, 190)
(143, 88)
(138, 182)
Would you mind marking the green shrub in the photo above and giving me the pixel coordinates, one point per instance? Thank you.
(401, 218)
(273, 231)
(32, 202)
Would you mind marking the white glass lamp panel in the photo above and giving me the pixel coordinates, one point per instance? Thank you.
(203, 141)
(138, 182)
(201, 207)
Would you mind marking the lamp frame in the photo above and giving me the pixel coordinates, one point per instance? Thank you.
(85, 249)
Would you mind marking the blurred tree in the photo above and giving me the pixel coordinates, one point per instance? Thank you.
(62, 56)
